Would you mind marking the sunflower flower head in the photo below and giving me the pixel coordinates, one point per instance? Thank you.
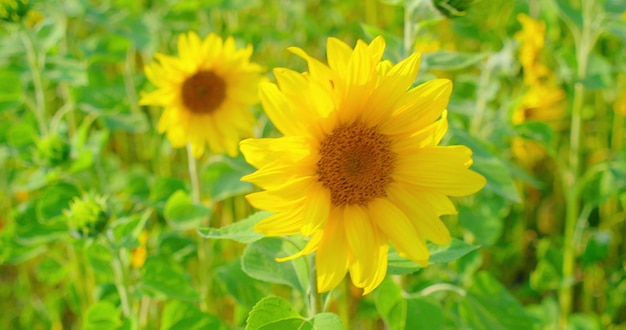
(206, 93)
(358, 165)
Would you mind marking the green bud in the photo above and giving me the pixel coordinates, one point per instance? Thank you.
(452, 8)
(87, 216)
(53, 150)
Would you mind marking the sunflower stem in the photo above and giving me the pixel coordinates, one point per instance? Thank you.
(584, 43)
(315, 299)
(203, 245)
(35, 62)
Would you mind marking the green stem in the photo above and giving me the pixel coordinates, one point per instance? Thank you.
(121, 276)
(204, 247)
(315, 299)
(35, 61)
(481, 100)
(572, 205)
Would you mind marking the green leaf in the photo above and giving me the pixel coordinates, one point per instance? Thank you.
(424, 313)
(66, 69)
(326, 321)
(222, 178)
(390, 304)
(164, 187)
(616, 27)
(102, 316)
(259, 262)
(126, 230)
(182, 214)
(499, 178)
(244, 289)
(438, 254)
(537, 131)
(163, 278)
(446, 60)
(99, 258)
(241, 231)
(127, 122)
(55, 199)
(51, 271)
(30, 231)
(489, 306)
(10, 88)
(178, 315)
(270, 312)
(483, 218)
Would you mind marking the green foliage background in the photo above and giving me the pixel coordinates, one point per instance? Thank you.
(71, 132)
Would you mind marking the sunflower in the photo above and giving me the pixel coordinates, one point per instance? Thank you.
(358, 165)
(206, 93)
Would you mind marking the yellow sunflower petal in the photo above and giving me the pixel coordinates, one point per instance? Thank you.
(381, 250)
(310, 247)
(331, 258)
(421, 213)
(443, 169)
(284, 223)
(316, 209)
(400, 230)
(420, 107)
(259, 152)
(338, 53)
(360, 235)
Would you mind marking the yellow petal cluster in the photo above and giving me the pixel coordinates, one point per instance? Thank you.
(358, 166)
(206, 93)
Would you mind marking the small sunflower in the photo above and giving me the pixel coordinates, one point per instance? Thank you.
(358, 165)
(206, 93)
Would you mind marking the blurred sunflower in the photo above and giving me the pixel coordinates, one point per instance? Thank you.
(542, 100)
(358, 165)
(206, 93)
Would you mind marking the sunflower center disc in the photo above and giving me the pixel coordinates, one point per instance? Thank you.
(203, 92)
(355, 164)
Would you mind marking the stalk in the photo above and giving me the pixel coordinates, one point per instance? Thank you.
(572, 205)
(35, 62)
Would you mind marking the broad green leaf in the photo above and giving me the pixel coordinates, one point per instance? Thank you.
(390, 304)
(21, 135)
(178, 315)
(273, 313)
(102, 316)
(447, 60)
(438, 254)
(244, 289)
(66, 69)
(259, 262)
(127, 122)
(163, 188)
(489, 306)
(30, 231)
(55, 199)
(222, 178)
(51, 271)
(537, 131)
(499, 178)
(98, 258)
(163, 278)
(177, 246)
(10, 88)
(326, 321)
(547, 273)
(424, 313)
(126, 230)
(241, 231)
(484, 217)
(597, 247)
(182, 214)
(616, 27)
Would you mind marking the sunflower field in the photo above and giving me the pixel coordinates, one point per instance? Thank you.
(319, 164)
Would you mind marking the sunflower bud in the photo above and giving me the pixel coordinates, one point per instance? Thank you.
(87, 216)
(53, 150)
(452, 8)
